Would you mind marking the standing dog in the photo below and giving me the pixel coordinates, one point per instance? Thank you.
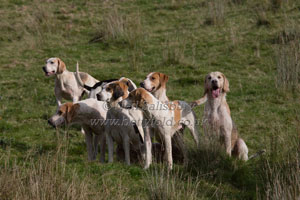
(66, 85)
(91, 115)
(217, 115)
(122, 125)
(167, 117)
(155, 83)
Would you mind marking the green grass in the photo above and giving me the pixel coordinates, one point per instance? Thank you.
(172, 37)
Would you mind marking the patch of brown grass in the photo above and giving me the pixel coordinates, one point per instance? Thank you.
(48, 177)
(216, 12)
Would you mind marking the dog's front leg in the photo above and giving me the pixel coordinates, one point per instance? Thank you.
(89, 144)
(75, 99)
(102, 148)
(168, 150)
(148, 146)
(226, 133)
(110, 146)
(58, 102)
(126, 148)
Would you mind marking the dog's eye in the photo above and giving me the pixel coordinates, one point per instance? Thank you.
(152, 78)
(59, 112)
(219, 77)
(108, 89)
(51, 62)
(209, 78)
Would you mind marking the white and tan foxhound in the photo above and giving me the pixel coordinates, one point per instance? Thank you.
(155, 83)
(122, 125)
(167, 118)
(91, 115)
(66, 85)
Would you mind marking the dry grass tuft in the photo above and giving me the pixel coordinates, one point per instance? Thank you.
(280, 172)
(163, 184)
(173, 51)
(277, 4)
(261, 18)
(48, 177)
(216, 12)
(111, 28)
(288, 66)
(118, 27)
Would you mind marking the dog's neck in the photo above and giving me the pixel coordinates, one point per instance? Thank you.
(58, 76)
(215, 103)
(161, 95)
(114, 104)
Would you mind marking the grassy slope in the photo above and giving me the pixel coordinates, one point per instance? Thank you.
(32, 31)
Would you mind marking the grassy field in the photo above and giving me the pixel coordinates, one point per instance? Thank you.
(254, 43)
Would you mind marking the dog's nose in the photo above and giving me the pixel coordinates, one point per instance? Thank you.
(98, 97)
(142, 84)
(214, 81)
(50, 123)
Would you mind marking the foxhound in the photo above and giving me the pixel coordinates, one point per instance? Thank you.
(91, 115)
(66, 85)
(167, 117)
(122, 125)
(155, 83)
(217, 115)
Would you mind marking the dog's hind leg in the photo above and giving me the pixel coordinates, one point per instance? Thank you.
(191, 124)
(168, 150)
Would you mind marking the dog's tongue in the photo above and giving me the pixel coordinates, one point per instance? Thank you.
(49, 73)
(216, 93)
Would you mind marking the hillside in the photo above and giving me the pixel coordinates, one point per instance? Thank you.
(254, 43)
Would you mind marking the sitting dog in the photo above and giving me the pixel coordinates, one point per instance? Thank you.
(91, 115)
(66, 85)
(166, 116)
(122, 126)
(217, 115)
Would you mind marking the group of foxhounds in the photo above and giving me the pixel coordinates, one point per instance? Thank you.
(118, 111)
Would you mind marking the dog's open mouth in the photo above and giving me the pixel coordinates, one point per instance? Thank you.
(150, 90)
(49, 73)
(215, 92)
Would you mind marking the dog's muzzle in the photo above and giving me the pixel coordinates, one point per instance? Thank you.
(98, 96)
(51, 124)
(125, 105)
(142, 84)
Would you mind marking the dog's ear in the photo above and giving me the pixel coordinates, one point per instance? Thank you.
(206, 84)
(128, 83)
(163, 79)
(61, 67)
(71, 111)
(118, 92)
(225, 84)
(130, 86)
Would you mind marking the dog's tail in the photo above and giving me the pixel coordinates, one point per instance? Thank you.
(77, 75)
(259, 153)
(88, 88)
(198, 102)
